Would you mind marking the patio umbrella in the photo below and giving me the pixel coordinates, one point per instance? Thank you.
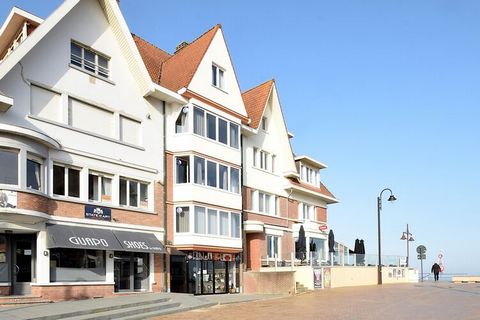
(301, 247)
(331, 241)
(362, 251)
(357, 246)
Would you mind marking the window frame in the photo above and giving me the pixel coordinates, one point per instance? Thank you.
(218, 76)
(66, 180)
(129, 181)
(83, 64)
(18, 156)
(100, 177)
(41, 162)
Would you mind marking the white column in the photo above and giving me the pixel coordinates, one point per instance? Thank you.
(109, 266)
(43, 261)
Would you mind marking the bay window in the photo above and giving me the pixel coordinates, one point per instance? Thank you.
(182, 170)
(223, 177)
(199, 168)
(182, 215)
(199, 215)
(235, 225)
(212, 222)
(211, 174)
(222, 131)
(223, 223)
(234, 180)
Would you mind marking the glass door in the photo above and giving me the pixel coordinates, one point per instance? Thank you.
(123, 270)
(220, 277)
(207, 276)
(23, 250)
(141, 271)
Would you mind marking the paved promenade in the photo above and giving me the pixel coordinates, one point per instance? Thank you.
(428, 300)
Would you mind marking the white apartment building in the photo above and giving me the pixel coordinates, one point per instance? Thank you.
(82, 179)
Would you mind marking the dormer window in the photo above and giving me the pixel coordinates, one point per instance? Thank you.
(218, 79)
(89, 60)
(310, 175)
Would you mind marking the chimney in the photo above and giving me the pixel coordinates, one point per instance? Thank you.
(182, 45)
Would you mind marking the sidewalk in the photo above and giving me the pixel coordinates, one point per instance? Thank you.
(134, 306)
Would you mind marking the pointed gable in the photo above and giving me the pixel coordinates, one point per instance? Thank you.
(178, 71)
(255, 101)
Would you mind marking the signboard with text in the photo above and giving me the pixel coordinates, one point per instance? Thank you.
(98, 213)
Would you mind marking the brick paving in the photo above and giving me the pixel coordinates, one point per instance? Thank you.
(442, 300)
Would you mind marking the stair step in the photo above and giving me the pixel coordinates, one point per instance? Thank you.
(79, 313)
(16, 300)
(125, 312)
(165, 312)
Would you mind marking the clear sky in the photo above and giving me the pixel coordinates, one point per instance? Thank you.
(386, 93)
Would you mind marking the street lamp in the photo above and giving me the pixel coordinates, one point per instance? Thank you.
(407, 236)
(379, 208)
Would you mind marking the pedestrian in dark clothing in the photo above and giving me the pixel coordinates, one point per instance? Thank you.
(436, 270)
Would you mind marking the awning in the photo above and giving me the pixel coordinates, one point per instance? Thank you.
(61, 236)
(139, 242)
(73, 237)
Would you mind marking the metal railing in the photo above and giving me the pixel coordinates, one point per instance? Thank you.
(332, 259)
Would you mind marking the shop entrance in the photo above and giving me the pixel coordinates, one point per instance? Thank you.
(23, 261)
(131, 271)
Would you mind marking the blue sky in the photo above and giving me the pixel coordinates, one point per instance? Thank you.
(386, 93)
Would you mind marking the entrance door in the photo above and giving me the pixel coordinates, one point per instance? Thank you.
(23, 250)
(131, 271)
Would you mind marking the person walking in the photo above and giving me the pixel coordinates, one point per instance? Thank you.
(436, 270)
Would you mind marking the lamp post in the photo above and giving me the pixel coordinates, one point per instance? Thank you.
(407, 236)
(379, 208)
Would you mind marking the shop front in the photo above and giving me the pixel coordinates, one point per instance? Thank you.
(121, 260)
(205, 272)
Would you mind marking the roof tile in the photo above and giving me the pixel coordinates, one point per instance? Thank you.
(255, 101)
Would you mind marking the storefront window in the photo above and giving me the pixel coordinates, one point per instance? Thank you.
(76, 265)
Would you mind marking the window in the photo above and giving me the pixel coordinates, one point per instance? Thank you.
(199, 166)
(212, 222)
(9, 165)
(182, 170)
(234, 180)
(263, 160)
(235, 226)
(199, 220)
(99, 187)
(255, 157)
(211, 174)
(89, 60)
(272, 246)
(66, 181)
(182, 219)
(222, 131)
(90, 118)
(199, 122)
(272, 167)
(222, 177)
(264, 123)
(133, 193)
(45, 103)
(234, 136)
(181, 125)
(70, 265)
(223, 223)
(129, 130)
(218, 77)
(34, 174)
(211, 126)
(306, 211)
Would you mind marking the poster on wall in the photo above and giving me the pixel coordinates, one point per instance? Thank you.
(317, 278)
(8, 199)
(327, 278)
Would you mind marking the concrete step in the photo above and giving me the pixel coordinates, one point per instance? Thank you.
(20, 300)
(138, 311)
(165, 312)
(95, 310)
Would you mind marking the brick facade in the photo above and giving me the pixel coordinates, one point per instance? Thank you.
(69, 292)
(281, 282)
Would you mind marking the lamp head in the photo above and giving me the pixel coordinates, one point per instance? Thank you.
(411, 239)
(403, 237)
(392, 198)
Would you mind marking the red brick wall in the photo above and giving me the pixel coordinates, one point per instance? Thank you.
(5, 291)
(287, 245)
(70, 292)
(158, 265)
(255, 247)
(65, 208)
(269, 282)
(322, 214)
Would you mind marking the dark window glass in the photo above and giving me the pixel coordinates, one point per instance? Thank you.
(133, 193)
(199, 168)
(9, 167)
(222, 177)
(211, 126)
(214, 75)
(233, 135)
(73, 183)
(199, 121)
(33, 174)
(222, 131)
(58, 180)
(211, 174)
(182, 167)
(123, 192)
(93, 187)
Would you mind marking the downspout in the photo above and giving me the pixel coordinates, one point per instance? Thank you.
(165, 184)
(244, 238)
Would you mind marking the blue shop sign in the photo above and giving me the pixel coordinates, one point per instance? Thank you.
(98, 213)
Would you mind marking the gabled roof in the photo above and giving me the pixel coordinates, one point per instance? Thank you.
(322, 191)
(255, 101)
(178, 71)
(152, 56)
(175, 71)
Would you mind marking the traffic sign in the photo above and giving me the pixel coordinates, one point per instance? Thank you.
(421, 256)
(421, 249)
(323, 227)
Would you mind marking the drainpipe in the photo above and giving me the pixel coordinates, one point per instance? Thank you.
(165, 225)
